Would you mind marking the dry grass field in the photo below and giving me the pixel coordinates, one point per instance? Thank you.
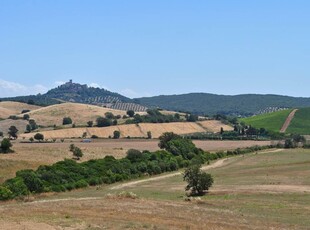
(134, 131)
(79, 113)
(33, 155)
(6, 124)
(8, 108)
(214, 126)
(250, 192)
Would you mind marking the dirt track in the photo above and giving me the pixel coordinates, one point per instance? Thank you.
(217, 164)
(288, 121)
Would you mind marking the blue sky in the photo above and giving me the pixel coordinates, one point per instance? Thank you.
(144, 48)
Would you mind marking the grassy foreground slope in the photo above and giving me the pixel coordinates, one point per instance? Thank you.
(270, 121)
(257, 191)
(301, 122)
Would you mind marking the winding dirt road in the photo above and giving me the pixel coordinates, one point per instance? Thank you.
(217, 164)
(288, 121)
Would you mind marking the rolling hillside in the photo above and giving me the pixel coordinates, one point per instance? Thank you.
(204, 103)
(301, 122)
(8, 108)
(81, 93)
(270, 121)
(135, 130)
(79, 113)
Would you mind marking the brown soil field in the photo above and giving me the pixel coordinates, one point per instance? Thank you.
(135, 131)
(8, 108)
(79, 113)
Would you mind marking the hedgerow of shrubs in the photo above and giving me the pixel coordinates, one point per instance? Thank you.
(67, 175)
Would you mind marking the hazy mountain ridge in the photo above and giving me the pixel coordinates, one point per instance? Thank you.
(205, 103)
(198, 103)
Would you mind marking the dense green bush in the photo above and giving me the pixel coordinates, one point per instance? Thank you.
(5, 193)
(153, 116)
(66, 121)
(5, 146)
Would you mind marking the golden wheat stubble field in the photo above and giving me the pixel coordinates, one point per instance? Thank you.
(136, 130)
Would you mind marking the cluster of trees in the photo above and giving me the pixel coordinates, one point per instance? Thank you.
(68, 174)
(294, 141)
(76, 151)
(32, 125)
(12, 132)
(154, 116)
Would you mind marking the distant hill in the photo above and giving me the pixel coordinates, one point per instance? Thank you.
(78, 93)
(204, 103)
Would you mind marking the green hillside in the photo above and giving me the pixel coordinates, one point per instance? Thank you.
(270, 121)
(301, 122)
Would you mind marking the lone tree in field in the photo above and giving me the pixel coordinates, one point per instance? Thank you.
(90, 123)
(198, 181)
(103, 122)
(1, 134)
(77, 152)
(66, 121)
(39, 137)
(26, 117)
(149, 135)
(116, 134)
(13, 132)
(109, 115)
(33, 125)
(130, 113)
(6, 145)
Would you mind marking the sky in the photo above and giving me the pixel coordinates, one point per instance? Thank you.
(160, 47)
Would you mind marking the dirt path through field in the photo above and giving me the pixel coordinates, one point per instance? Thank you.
(217, 164)
(288, 121)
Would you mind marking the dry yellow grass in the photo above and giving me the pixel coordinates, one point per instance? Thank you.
(8, 108)
(6, 124)
(214, 126)
(79, 113)
(135, 130)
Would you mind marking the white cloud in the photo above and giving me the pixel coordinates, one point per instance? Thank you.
(58, 83)
(95, 85)
(11, 89)
(129, 93)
